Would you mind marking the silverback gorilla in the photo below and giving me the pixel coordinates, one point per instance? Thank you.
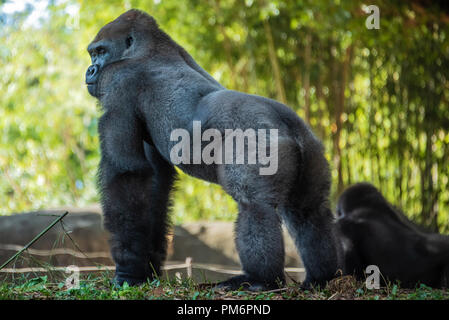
(375, 233)
(149, 86)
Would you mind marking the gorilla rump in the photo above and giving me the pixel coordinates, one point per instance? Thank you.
(149, 86)
(373, 232)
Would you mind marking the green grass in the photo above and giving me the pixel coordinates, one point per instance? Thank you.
(99, 287)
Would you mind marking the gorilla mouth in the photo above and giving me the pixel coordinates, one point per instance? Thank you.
(92, 89)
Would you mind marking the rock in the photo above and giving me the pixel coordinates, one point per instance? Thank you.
(208, 243)
(84, 227)
(213, 242)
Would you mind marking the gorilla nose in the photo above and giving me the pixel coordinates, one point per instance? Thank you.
(92, 73)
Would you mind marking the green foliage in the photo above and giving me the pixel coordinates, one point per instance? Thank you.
(99, 287)
(377, 98)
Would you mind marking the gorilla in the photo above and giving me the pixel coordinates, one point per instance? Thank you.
(148, 87)
(373, 232)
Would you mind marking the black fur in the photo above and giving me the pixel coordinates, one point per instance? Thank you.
(150, 86)
(373, 232)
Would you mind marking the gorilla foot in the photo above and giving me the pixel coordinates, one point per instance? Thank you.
(120, 279)
(308, 284)
(247, 283)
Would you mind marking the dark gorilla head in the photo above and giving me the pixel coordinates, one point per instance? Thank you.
(363, 199)
(359, 196)
(132, 36)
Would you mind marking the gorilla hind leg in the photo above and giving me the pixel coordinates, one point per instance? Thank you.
(260, 246)
(315, 238)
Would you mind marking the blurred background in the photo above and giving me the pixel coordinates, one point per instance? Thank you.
(378, 98)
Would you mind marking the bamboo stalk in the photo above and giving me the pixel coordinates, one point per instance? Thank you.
(275, 63)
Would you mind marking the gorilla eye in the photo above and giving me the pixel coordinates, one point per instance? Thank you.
(129, 42)
(101, 50)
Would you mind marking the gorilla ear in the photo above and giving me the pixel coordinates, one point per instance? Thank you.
(129, 41)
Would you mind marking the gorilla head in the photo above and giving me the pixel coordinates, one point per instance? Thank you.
(127, 37)
(362, 197)
(132, 38)
(357, 196)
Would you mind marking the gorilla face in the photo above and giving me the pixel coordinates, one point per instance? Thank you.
(125, 38)
(104, 53)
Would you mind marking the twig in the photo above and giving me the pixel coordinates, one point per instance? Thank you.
(73, 241)
(271, 291)
(332, 296)
(34, 240)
